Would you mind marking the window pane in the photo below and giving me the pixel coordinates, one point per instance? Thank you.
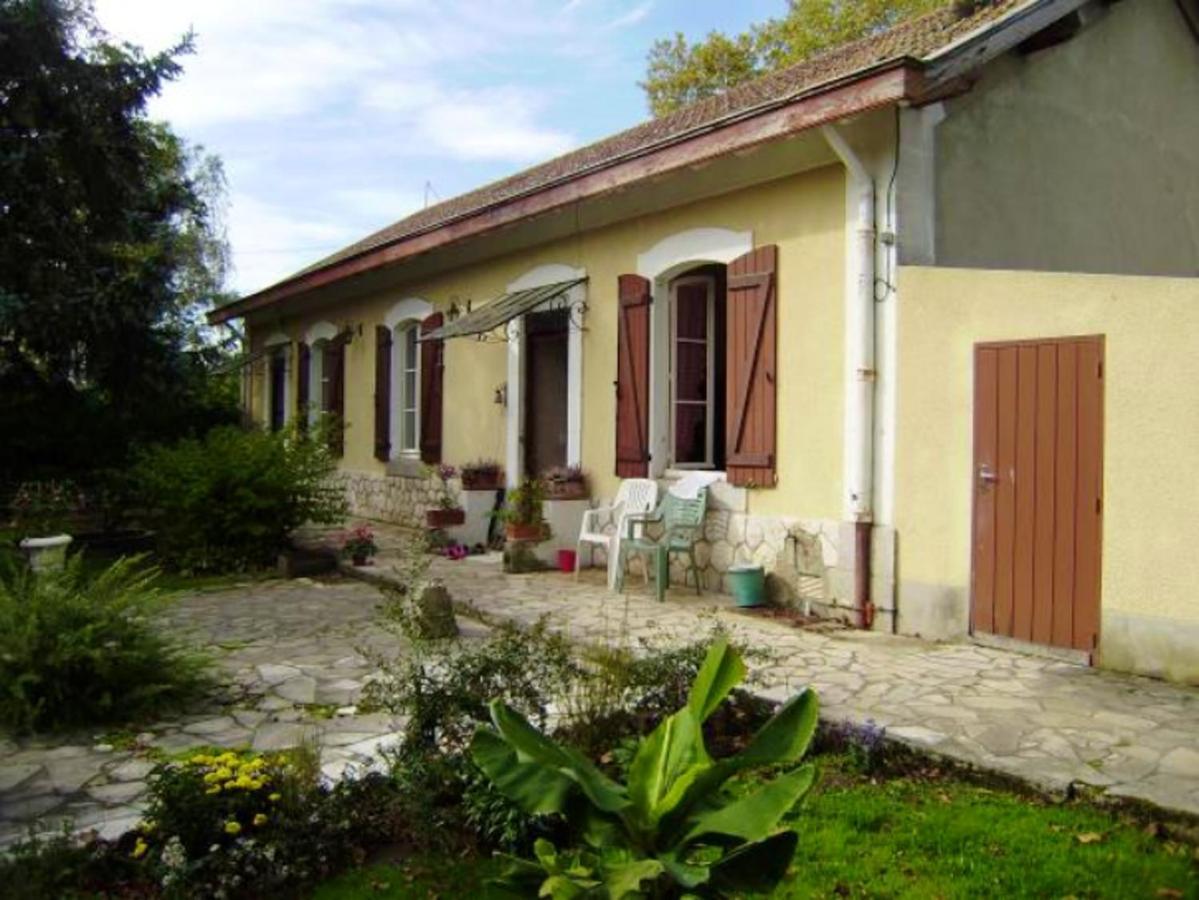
(690, 433)
(691, 311)
(410, 348)
(409, 436)
(409, 389)
(691, 371)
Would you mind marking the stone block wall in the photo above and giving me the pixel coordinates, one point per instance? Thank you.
(401, 499)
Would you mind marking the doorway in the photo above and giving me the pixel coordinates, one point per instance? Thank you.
(547, 340)
(1038, 491)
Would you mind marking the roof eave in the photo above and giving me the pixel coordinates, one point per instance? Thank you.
(893, 81)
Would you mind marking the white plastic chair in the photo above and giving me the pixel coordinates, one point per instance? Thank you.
(636, 497)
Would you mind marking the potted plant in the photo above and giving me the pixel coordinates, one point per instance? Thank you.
(524, 514)
(41, 511)
(359, 545)
(482, 475)
(447, 512)
(566, 483)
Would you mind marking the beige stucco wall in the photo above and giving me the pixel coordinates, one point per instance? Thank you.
(803, 214)
(1150, 567)
(1091, 146)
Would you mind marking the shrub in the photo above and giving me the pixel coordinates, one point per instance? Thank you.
(229, 501)
(674, 828)
(79, 649)
(43, 508)
(257, 825)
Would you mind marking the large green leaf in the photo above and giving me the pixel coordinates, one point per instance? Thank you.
(722, 670)
(754, 816)
(527, 741)
(785, 737)
(755, 867)
(535, 788)
(671, 749)
(625, 880)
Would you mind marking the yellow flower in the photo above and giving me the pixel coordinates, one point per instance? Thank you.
(256, 784)
(260, 820)
(223, 773)
(232, 827)
(227, 758)
(275, 798)
(211, 777)
(215, 789)
(139, 849)
(230, 785)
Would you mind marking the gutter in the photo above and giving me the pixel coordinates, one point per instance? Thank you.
(861, 375)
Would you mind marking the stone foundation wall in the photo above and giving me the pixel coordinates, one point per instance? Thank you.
(401, 499)
(809, 562)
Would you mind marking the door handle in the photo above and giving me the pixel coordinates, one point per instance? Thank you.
(986, 476)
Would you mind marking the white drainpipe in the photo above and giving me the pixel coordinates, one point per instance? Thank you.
(859, 342)
(859, 324)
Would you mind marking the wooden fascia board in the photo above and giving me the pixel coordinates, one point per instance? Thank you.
(896, 82)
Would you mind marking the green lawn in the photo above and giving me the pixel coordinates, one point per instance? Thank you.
(904, 838)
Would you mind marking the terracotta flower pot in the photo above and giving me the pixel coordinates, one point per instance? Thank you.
(565, 490)
(515, 531)
(444, 518)
(482, 482)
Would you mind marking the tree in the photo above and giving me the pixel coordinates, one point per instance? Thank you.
(679, 73)
(111, 244)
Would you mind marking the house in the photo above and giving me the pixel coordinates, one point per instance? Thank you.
(929, 302)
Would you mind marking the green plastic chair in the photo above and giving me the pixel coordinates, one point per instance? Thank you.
(682, 525)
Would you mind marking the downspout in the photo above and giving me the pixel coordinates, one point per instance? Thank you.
(860, 339)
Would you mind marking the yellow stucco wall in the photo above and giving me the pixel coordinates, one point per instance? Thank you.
(803, 214)
(1150, 567)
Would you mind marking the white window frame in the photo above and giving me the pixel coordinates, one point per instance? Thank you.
(672, 256)
(316, 338)
(709, 402)
(407, 314)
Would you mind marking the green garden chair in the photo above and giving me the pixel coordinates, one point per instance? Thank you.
(682, 523)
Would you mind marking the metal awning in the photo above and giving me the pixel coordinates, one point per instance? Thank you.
(242, 361)
(500, 311)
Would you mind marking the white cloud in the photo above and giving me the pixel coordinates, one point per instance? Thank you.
(332, 114)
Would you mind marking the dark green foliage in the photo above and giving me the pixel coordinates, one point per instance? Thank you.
(679, 72)
(111, 248)
(674, 828)
(61, 867)
(230, 500)
(79, 648)
(441, 687)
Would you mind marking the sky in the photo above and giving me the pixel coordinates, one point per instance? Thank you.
(336, 117)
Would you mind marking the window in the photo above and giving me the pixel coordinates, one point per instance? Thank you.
(407, 397)
(278, 388)
(696, 377)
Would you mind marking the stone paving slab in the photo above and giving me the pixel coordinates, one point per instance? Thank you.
(1049, 723)
(291, 651)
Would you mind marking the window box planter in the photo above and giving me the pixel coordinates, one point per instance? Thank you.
(524, 532)
(566, 490)
(444, 518)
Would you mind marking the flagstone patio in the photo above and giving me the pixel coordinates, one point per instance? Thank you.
(1054, 725)
(292, 653)
(292, 650)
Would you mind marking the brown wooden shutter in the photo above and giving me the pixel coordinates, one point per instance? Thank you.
(632, 377)
(334, 373)
(303, 387)
(382, 392)
(752, 337)
(432, 367)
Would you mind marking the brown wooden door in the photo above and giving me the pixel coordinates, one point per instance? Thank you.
(1038, 490)
(547, 337)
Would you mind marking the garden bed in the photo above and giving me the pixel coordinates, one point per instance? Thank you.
(917, 832)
